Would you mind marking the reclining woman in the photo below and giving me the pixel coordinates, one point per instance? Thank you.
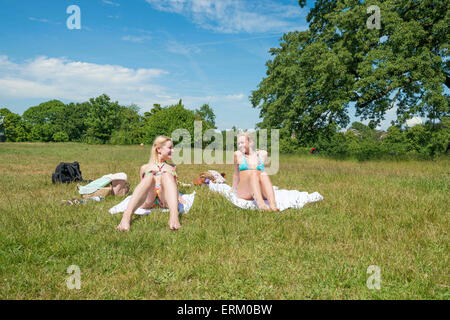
(249, 179)
(158, 187)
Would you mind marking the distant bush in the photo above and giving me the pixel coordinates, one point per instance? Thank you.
(60, 137)
(288, 145)
(363, 143)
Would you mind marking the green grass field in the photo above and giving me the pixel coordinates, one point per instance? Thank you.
(394, 215)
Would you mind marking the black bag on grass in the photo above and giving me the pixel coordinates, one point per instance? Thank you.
(67, 172)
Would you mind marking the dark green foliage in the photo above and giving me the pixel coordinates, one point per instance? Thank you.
(60, 137)
(101, 121)
(416, 138)
(315, 75)
(132, 127)
(421, 141)
(45, 120)
(73, 116)
(206, 113)
(288, 145)
(395, 141)
(167, 120)
(16, 130)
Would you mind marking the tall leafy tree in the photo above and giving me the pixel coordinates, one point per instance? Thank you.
(43, 120)
(206, 113)
(167, 120)
(131, 128)
(15, 129)
(316, 75)
(72, 120)
(102, 119)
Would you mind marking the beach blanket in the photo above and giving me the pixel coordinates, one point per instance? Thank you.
(182, 208)
(285, 198)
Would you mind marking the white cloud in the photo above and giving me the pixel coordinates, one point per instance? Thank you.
(136, 39)
(235, 96)
(389, 116)
(234, 16)
(42, 20)
(59, 78)
(413, 122)
(115, 4)
(38, 19)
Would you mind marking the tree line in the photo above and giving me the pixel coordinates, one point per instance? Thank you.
(425, 141)
(101, 121)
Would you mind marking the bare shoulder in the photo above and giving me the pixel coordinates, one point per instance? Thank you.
(171, 167)
(143, 168)
(237, 155)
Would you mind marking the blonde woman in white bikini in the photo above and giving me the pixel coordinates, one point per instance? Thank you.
(249, 179)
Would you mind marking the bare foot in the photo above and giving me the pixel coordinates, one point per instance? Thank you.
(174, 223)
(273, 207)
(263, 207)
(181, 200)
(125, 223)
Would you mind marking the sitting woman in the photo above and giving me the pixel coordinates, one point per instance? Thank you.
(158, 186)
(249, 180)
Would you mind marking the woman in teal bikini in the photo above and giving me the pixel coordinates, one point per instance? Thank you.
(249, 179)
(158, 186)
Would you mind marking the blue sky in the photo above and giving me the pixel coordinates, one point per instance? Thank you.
(143, 52)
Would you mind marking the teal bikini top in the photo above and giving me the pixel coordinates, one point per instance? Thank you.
(244, 164)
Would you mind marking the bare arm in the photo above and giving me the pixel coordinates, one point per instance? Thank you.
(141, 172)
(264, 156)
(236, 174)
(180, 198)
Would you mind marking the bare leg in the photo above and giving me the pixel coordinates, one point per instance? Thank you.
(146, 186)
(256, 190)
(267, 190)
(170, 190)
(149, 201)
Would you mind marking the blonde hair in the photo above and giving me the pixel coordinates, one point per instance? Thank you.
(158, 143)
(249, 137)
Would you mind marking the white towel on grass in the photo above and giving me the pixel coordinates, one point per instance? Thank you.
(182, 208)
(285, 198)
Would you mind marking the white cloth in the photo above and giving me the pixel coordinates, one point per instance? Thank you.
(217, 176)
(285, 198)
(117, 176)
(101, 182)
(182, 208)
